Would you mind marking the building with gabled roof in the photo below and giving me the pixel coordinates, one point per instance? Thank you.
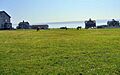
(23, 25)
(113, 23)
(90, 24)
(5, 22)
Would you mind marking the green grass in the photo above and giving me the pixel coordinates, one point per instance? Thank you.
(60, 52)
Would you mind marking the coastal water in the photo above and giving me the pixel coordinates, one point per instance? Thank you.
(73, 24)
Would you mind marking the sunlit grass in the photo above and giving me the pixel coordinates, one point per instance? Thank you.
(60, 52)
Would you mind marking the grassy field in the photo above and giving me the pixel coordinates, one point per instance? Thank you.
(60, 52)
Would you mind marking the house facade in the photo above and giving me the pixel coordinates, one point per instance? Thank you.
(113, 23)
(5, 22)
(90, 24)
(23, 25)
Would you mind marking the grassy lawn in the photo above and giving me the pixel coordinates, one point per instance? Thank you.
(60, 52)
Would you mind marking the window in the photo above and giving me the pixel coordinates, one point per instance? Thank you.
(6, 20)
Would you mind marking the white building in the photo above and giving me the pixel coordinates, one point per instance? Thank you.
(5, 22)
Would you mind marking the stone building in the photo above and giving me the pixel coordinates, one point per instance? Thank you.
(23, 25)
(5, 22)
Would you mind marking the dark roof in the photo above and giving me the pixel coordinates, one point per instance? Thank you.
(5, 13)
(23, 23)
(40, 25)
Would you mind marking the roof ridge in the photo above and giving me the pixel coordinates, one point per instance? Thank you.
(5, 13)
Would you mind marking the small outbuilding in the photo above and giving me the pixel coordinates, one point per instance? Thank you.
(44, 27)
(102, 26)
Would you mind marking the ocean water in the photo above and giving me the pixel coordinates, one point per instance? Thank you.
(73, 24)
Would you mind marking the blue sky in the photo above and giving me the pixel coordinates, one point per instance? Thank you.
(42, 11)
